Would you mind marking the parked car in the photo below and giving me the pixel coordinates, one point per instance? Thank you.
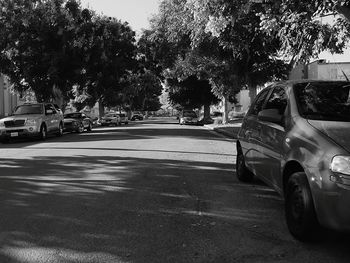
(110, 119)
(216, 114)
(32, 120)
(296, 138)
(188, 117)
(77, 122)
(137, 116)
(123, 118)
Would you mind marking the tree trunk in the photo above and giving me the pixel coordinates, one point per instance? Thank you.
(206, 116)
(225, 111)
(101, 109)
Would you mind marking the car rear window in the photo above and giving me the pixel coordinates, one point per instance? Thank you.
(190, 114)
(324, 100)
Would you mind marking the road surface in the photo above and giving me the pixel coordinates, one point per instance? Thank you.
(150, 191)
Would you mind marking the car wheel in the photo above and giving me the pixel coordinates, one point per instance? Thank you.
(242, 172)
(89, 128)
(43, 132)
(80, 128)
(299, 208)
(60, 130)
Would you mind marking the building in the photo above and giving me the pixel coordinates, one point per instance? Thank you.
(8, 99)
(321, 69)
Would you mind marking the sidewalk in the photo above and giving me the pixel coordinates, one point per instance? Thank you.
(230, 130)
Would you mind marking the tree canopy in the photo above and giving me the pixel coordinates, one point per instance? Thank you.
(48, 45)
(229, 55)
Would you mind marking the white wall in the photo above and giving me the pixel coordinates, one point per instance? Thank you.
(334, 71)
(8, 100)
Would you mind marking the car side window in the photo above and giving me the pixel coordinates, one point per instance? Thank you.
(50, 107)
(277, 100)
(259, 102)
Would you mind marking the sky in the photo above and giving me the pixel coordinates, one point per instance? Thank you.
(135, 12)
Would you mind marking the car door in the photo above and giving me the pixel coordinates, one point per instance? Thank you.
(251, 131)
(49, 117)
(272, 138)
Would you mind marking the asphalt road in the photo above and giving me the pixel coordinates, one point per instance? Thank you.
(151, 191)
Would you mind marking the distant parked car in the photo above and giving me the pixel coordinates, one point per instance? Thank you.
(123, 118)
(110, 119)
(32, 120)
(77, 122)
(216, 114)
(137, 116)
(188, 117)
(296, 138)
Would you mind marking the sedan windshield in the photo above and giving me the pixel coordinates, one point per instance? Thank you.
(324, 101)
(29, 109)
(191, 114)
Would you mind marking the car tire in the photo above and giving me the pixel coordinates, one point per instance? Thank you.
(60, 130)
(242, 172)
(43, 132)
(89, 128)
(80, 128)
(299, 208)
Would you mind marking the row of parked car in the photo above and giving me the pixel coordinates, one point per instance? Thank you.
(42, 119)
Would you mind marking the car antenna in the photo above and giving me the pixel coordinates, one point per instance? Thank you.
(346, 77)
(337, 63)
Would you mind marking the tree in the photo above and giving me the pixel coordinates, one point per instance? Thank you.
(47, 46)
(233, 54)
(296, 25)
(143, 91)
(38, 49)
(111, 59)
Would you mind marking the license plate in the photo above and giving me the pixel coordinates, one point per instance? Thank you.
(14, 134)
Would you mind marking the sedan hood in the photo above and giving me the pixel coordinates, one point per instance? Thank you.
(337, 131)
(22, 117)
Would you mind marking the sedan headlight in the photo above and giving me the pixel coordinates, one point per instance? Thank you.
(341, 164)
(30, 122)
(2, 124)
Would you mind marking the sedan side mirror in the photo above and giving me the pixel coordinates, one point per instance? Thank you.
(270, 115)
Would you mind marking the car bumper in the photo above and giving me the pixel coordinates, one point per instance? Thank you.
(105, 123)
(332, 202)
(69, 127)
(19, 132)
(188, 121)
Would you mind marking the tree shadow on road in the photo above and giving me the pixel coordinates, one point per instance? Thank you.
(123, 209)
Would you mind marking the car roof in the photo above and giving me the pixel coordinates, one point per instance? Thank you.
(300, 81)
